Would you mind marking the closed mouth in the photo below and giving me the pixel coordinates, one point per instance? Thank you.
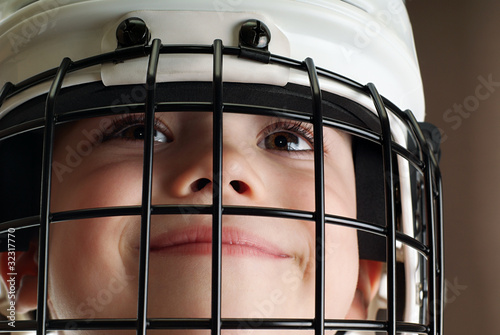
(197, 240)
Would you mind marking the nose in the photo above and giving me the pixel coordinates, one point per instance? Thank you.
(193, 179)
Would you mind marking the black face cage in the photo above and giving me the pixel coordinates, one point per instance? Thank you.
(421, 159)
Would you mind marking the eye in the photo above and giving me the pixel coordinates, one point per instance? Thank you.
(132, 128)
(138, 132)
(286, 141)
(287, 137)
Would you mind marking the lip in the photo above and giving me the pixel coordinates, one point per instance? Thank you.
(197, 240)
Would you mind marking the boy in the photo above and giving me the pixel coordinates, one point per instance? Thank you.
(291, 169)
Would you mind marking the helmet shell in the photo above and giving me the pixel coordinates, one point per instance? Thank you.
(367, 41)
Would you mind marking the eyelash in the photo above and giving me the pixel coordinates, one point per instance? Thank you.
(122, 123)
(300, 128)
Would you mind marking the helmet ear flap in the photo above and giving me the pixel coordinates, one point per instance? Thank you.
(21, 182)
(24, 153)
(370, 197)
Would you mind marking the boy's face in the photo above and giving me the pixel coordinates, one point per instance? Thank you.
(267, 264)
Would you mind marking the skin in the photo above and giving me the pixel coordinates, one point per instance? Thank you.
(94, 262)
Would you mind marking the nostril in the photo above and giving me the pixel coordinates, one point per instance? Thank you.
(200, 184)
(239, 186)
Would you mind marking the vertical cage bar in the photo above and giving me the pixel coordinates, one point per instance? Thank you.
(440, 255)
(319, 210)
(390, 208)
(44, 233)
(434, 212)
(217, 189)
(147, 182)
(432, 241)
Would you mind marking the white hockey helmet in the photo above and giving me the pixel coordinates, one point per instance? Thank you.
(313, 61)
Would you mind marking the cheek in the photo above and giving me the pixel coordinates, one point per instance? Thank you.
(295, 189)
(87, 274)
(342, 268)
(341, 251)
(92, 185)
(340, 188)
(291, 189)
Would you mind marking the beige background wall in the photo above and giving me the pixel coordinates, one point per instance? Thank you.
(458, 43)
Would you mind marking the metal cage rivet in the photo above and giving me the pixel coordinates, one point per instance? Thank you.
(131, 32)
(255, 34)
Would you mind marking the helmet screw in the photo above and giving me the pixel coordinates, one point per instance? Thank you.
(132, 31)
(255, 34)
